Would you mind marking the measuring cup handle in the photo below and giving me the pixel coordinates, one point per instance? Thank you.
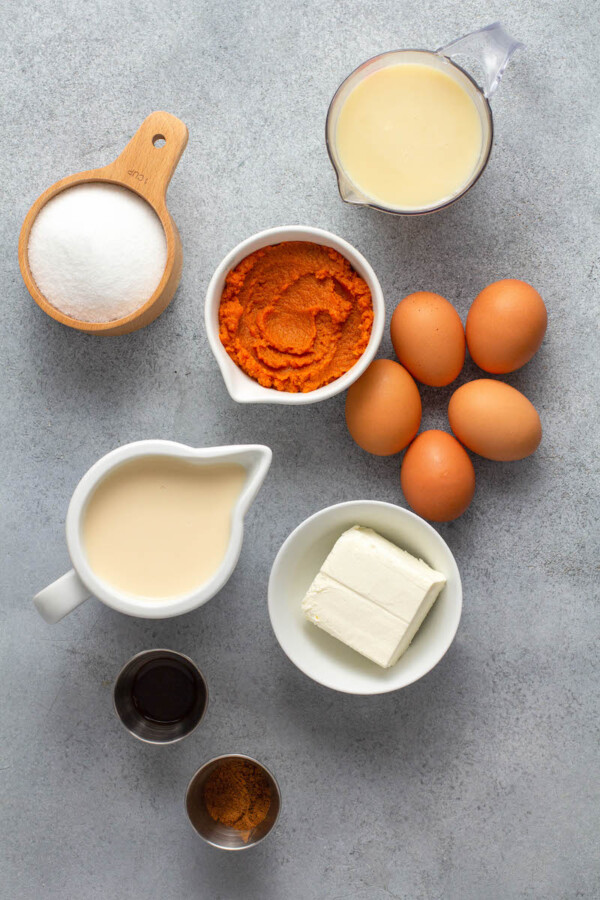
(492, 46)
(148, 161)
(61, 597)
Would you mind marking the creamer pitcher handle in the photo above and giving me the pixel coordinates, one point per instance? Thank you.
(492, 46)
(61, 597)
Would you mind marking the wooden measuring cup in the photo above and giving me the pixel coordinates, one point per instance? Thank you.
(145, 167)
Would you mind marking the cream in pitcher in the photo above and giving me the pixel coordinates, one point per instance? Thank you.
(409, 136)
(159, 526)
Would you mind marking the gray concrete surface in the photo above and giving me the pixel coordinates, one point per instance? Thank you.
(481, 780)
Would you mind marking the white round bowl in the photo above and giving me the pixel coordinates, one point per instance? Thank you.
(322, 657)
(245, 389)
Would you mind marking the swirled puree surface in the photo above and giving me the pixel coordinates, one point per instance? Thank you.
(159, 526)
(295, 316)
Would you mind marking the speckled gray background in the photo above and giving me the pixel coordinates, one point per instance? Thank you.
(479, 781)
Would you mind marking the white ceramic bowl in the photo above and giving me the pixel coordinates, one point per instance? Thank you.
(240, 386)
(322, 657)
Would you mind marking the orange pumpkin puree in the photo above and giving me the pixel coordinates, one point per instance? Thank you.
(295, 316)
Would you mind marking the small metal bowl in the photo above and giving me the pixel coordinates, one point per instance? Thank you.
(145, 729)
(216, 834)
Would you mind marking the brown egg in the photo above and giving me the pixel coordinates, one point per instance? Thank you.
(383, 408)
(428, 338)
(506, 325)
(495, 420)
(437, 477)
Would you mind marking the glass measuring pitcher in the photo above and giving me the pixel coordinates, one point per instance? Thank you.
(375, 148)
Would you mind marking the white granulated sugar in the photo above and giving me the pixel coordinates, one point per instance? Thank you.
(97, 252)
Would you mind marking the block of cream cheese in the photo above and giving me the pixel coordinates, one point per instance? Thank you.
(372, 595)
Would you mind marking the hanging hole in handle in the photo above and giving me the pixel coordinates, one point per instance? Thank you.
(159, 140)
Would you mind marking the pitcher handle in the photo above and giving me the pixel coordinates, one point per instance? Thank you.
(492, 46)
(61, 597)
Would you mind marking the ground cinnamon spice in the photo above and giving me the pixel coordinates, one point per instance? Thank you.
(238, 794)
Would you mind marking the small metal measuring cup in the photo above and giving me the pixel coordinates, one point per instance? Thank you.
(215, 833)
(144, 727)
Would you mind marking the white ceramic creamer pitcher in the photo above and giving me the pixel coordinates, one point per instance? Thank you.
(81, 582)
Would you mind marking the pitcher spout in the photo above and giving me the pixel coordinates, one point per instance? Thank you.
(348, 192)
(256, 459)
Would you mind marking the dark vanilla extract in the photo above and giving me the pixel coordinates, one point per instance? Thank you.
(164, 691)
